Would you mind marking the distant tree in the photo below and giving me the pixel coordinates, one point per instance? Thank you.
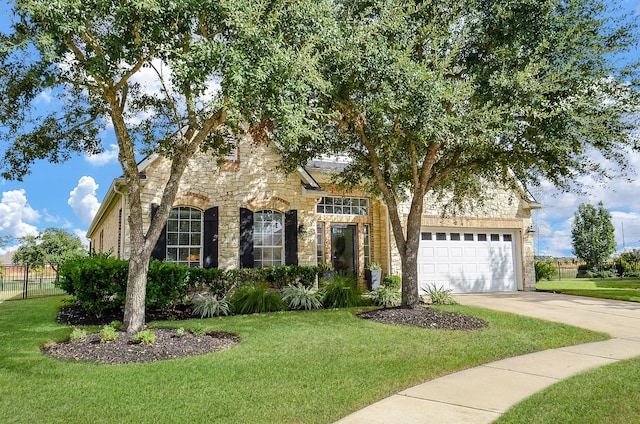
(51, 247)
(631, 257)
(168, 76)
(593, 234)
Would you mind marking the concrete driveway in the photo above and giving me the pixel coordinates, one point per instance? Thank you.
(617, 318)
(480, 395)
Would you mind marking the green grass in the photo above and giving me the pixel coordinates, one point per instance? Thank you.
(290, 367)
(610, 394)
(609, 288)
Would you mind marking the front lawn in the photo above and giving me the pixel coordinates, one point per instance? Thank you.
(609, 288)
(609, 394)
(290, 367)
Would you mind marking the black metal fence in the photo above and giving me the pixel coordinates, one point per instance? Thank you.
(22, 282)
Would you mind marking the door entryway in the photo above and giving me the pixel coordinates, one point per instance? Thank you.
(344, 249)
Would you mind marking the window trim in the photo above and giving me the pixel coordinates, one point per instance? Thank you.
(178, 232)
(336, 205)
(258, 252)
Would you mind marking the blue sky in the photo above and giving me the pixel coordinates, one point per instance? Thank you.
(67, 195)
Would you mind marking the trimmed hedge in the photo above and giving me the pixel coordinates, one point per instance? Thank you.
(99, 283)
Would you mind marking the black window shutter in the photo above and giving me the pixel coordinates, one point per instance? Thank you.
(210, 248)
(291, 237)
(246, 238)
(160, 250)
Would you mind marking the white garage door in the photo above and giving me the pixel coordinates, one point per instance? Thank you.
(467, 262)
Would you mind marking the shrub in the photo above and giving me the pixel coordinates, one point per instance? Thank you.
(599, 274)
(167, 284)
(301, 297)
(392, 281)
(144, 336)
(116, 325)
(108, 334)
(386, 296)
(210, 305)
(341, 292)
(256, 298)
(97, 282)
(212, 280)
(77, 334)
(439, 295)
(544, 270)
(180, 332)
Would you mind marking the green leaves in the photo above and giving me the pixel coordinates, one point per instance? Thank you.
(592, 234)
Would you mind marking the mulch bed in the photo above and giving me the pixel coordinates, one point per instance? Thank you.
(169, 345)
(424, 317)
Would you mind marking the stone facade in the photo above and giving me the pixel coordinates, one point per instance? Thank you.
(254, 181)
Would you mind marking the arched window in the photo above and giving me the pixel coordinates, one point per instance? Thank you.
(184, 236)
(268, 238)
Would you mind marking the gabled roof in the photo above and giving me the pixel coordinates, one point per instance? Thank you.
(310, 187)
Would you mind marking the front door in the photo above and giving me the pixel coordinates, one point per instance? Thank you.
(344, 249)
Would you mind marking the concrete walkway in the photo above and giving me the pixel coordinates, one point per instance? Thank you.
(482, 394)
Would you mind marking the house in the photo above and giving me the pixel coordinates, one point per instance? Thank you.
(244, 212)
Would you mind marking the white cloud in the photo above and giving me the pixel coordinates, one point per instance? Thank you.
(83, 200)
(44, 97)
(108, 156)
(619, 196)
(16, 215)
(82, 235)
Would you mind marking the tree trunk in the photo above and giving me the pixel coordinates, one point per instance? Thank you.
(409, 258)
(134, 310)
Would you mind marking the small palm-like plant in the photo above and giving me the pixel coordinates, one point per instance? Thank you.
(255, 299)
(300, 297)
(210, 305)
(341, 292)
(439, 295)
(385, 296)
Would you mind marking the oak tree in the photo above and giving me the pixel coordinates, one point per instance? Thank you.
(164, 76)
(442, 98)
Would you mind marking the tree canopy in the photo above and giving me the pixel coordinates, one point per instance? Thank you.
(592, 234)
(169, 77)
(51, 247)
(447, 97)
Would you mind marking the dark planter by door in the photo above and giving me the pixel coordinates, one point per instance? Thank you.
(373, 278)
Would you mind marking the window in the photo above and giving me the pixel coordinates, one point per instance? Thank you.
(268, 239)
(320, 242)
(366, 245)
(455, 236)
(495, 237)
(482, 237)
(441, 236)
(426, 236)
(506, 237)
(344, 205)
(468, 236)
(184, 236)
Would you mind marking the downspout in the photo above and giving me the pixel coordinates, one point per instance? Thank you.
(122, 220)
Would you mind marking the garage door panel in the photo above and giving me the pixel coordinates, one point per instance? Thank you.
(442, 268)
(470, 252)
(470, 265)
(427, 252)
